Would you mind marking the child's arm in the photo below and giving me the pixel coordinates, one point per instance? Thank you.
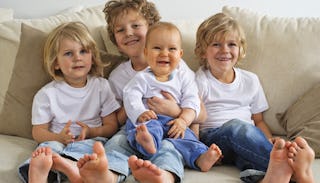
(109, 127)
(259, 122)
(41, 133)
(121, 116)
(180, 124)
(202, 115)
(195, 128)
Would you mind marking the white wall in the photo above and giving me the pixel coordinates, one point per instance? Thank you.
(171, 9)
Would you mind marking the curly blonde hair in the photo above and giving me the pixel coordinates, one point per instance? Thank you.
(218, 27)
(75, 31)
(114, 8)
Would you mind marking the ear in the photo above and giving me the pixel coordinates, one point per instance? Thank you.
(145, 51)
(181, 52)
(56, 65)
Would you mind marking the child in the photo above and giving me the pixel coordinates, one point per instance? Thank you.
(233, 97)
(74, 110)
(144, 127)
(128, 22)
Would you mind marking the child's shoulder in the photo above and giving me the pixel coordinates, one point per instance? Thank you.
(120, 69)
(246, 73)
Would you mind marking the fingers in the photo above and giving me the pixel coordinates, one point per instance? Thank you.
(167, 95)
(177, 129)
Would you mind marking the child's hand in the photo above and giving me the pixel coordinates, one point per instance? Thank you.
(65, 135)
(167, 106)
(178, 128)
(146, 116)
(84, 131)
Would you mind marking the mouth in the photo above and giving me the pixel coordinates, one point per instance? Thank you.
(131, 42)
(223, 59)
(163, 62)
(77, 67)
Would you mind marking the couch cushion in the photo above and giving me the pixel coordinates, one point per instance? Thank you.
(6, 14)
(303, 118)
(23, 71)
(283, 52)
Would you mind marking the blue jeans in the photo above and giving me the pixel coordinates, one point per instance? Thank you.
(73, 151)
(241, 144)
(189, 147)
(118, 152)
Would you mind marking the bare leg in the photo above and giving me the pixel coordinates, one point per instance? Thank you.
(94, 168)
(144, 138)
(209, 158)
(146, 172)
(40, 165)
(278, 168)
(301, 156)
(67, 166)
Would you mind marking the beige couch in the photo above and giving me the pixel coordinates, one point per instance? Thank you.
(282, 51)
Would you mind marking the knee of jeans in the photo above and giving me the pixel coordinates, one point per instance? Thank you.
(237, 127)
(165, 144)
(54, 145)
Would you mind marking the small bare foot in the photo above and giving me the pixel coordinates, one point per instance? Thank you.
(278, 168)
(67, 166)
(40, 165)
(301, 156)
(209, 158)
(146, 172)
(94, 168)
(144, 138)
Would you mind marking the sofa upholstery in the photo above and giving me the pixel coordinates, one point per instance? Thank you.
(283, 52)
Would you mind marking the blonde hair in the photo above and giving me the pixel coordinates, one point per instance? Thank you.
(114, 8)
(75, 31)
(218, 27)
(162, 25)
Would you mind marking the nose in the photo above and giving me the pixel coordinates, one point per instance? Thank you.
(129, 32)
(77, 57)
(164, 52)
(225, 48)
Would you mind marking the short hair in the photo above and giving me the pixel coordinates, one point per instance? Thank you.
(75, 31)
(162, 25)
(218, 27)
(114, 8)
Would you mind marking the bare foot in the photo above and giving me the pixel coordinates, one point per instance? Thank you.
(146, 172)
(67, 166)
(40, 165)
(301, 156)
(278, 168)
(209, 158)
(94, 168)
(144, 138)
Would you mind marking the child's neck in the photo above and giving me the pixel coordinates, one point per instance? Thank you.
(225, 77)
(139, 63)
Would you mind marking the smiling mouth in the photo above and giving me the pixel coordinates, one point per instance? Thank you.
(77, 67)
(131, 42)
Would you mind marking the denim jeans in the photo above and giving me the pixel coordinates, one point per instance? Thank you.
(241, 144)
(189, 147)
(73, 151)
(118, 152)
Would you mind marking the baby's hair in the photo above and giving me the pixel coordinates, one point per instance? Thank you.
(162, 25)
(218, 27)
(75, 31)
(114, 8)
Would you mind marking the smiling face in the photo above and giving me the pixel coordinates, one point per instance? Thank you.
(130, 30)
(163, 51)
(223, 54)
(74, 62)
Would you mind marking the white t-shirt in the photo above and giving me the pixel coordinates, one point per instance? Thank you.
(57, 103)
(237, 100)
(144, 85)
(122, 74)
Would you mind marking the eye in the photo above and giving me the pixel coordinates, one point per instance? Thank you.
(118, 30)
(215, 44)
(156, 48)
(68, 53)
(233, 44)
(135, 26)
(173, 49)
(83, 51)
